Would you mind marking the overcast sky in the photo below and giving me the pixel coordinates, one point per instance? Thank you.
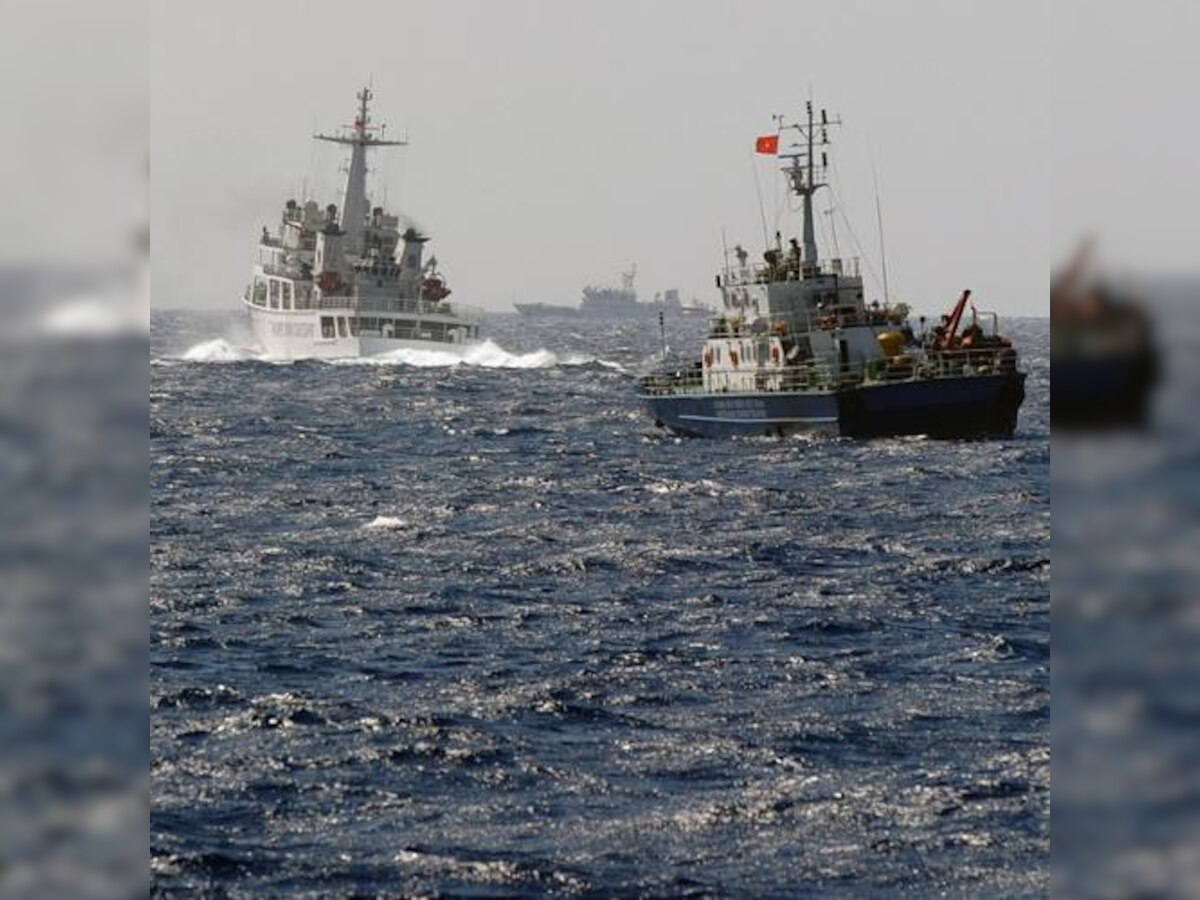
(554, 143)
(73, 158)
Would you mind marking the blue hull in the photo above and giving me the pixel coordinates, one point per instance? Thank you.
(975, 406)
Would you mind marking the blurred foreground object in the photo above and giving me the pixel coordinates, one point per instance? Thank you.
(1126, 673)
(74, 779)
(1103, 358)
(73, 638)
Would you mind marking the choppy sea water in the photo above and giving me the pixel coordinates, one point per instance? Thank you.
(482, 630)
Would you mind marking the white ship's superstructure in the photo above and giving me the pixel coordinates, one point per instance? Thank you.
(331, 284)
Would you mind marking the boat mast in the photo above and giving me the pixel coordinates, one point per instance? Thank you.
(803, 171)
(627, 280)
(359, 138)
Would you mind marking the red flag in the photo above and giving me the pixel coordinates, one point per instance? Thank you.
(768, 143)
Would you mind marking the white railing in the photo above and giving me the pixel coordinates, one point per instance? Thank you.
(392, 305)
(785, 324)
(791, 270)
(814, 375)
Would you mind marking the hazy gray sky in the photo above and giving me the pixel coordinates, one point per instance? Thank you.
(74, 105)
(554, 143)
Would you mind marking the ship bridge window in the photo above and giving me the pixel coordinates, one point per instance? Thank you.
(327, 326)
(260, 292)
(342, 327)
(354, 326)
(274, 293)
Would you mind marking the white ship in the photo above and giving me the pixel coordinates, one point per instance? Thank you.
(334, 284)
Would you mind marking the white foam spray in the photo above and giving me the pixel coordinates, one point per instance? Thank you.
(487, 355)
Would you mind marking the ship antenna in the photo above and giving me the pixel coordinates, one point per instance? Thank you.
(810, 235)
(887, 298)
(725, 254)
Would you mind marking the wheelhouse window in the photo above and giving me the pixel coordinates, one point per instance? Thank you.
(327, 327)
(342, 332)
(274, 293)
(260, 292)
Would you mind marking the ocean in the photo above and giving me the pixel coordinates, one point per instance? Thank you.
(483, 630)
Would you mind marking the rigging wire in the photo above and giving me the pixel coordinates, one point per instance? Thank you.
(824, 238)
(762, 213)
(879, 219)
(312, 165)
(862, 254)
(383, 175)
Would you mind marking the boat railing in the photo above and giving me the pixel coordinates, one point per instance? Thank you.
(788, 268)
(817, 375)
(281, 271)
(850, 316)
(724, 325)
(394, 305)
(786, 324)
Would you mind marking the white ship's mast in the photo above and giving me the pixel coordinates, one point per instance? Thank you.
(359, 138)
(804, 172)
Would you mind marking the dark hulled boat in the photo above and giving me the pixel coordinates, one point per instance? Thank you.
(1104, 359)
(797, 348)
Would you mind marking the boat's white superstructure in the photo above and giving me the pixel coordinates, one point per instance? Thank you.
(349, 283)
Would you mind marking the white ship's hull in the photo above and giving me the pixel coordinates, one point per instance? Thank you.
(298, 334)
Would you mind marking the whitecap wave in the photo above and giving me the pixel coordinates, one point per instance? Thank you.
(488, 355)
(386, 522)
(220, 350)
